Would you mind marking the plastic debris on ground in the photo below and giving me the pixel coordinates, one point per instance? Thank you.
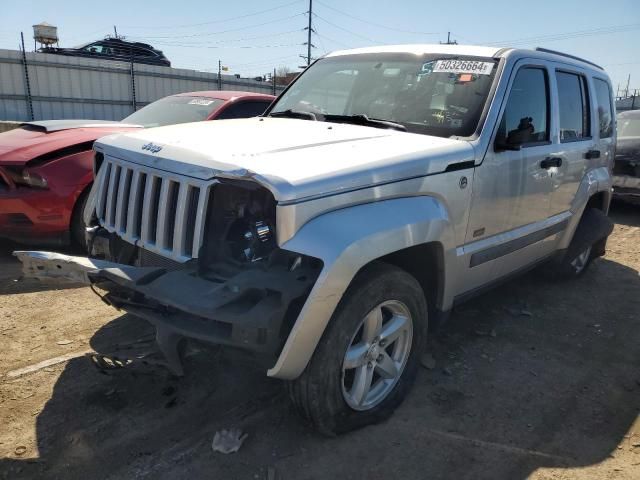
(228, 441)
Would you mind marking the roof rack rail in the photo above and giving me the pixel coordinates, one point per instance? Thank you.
(555, 52)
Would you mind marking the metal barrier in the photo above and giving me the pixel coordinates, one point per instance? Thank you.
(44, 86)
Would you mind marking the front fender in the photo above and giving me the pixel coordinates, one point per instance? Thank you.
(346, 240)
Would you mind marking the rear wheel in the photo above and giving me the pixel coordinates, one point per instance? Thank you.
(584, 246)
(368, 357)
(581, 261)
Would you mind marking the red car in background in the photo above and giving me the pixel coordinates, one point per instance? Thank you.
(46, 168)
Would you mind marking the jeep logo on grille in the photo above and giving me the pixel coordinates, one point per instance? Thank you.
(153, 148)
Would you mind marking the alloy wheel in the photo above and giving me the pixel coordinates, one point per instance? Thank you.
(377, 355)
(580, 262)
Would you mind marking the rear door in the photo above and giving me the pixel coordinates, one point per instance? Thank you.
(577, 145)
(510, 188)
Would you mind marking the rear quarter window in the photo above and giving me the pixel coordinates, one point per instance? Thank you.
(605, 108)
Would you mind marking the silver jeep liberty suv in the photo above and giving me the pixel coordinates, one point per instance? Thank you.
(382, 188)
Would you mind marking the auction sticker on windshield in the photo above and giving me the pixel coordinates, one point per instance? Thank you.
(463, 66)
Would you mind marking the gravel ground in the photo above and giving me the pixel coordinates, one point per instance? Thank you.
(532, 380)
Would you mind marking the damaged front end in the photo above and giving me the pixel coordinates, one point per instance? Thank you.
(626, 169)
(196, 259)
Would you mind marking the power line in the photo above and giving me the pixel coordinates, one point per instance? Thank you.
(464, 39)
(344, 29)
(375, 24)
(568, 35)
(85, 35)
(332, 40)
(205, 34)
(619, 64)
(243, 39)
(229, 19)
(266, 61)
(343, 45)
(222, 47)
(249, 65)
(323, 47)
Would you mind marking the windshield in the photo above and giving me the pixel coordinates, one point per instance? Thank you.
(429, 94)
(628, 127)
(173, 110)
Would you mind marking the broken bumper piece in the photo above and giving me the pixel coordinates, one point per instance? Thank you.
(253, 309)
(49, 265)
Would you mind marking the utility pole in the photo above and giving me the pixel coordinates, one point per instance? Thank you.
(274, 81)
(115, 32)
(626, 91)
(449, 41)
(219, 74)
(310, 30)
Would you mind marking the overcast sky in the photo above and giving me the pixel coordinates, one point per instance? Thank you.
(253, 37)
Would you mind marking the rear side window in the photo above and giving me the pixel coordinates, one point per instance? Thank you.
(573, 102)
(605, 108)
(526, 116)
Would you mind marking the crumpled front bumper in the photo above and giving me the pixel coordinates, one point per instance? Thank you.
(50, 265)
(253, 309)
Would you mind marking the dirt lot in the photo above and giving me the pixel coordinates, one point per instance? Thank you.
(533, 380)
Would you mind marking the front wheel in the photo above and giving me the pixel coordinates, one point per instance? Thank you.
(368, 357)
(78, 226)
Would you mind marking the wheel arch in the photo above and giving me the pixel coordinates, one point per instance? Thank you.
(599, 200)
(392, 231)
(594, 191)
(425, 262)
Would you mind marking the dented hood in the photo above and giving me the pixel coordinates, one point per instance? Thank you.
(295, 159)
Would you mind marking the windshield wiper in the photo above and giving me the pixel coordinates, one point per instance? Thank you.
(294, 114)
(361, 119)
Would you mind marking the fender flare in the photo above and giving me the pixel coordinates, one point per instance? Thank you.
(594, 181)
(346, 240)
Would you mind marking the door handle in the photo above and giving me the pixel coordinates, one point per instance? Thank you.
(549, 162)
(592, 154)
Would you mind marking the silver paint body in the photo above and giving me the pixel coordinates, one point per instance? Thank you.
(351, 194)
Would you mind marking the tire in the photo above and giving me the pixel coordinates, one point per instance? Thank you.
(325, 394)
(77, 228)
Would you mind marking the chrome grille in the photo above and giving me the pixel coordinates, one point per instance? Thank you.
(158, 211)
